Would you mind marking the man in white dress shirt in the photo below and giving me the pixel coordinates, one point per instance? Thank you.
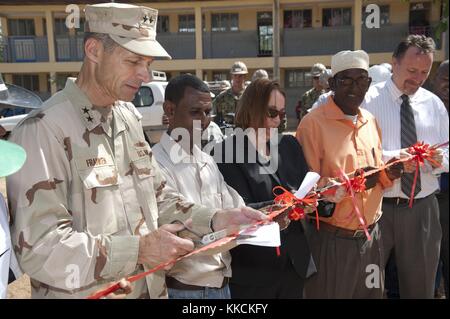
(195, 176)
(408, 113)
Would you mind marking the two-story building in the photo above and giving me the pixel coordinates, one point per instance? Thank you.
(38, 51)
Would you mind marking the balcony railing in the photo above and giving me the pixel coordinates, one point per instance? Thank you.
(24, 49)
(387, 37)
(317, 41)
(233, 44)
(69, 48)
(178, 45)
(294, 42)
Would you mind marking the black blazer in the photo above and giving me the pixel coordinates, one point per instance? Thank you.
(260, 265)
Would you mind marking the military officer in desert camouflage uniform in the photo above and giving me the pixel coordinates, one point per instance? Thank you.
(88, 201)
(310, 97)
(227, 101)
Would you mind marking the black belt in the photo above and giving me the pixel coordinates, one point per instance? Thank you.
(175, 284)
(343, 232)
(401, 201)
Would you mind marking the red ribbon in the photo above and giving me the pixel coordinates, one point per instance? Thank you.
(420, 152)
(289, 201)
(348, 183)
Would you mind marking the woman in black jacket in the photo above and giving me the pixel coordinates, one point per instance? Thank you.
(253, 169)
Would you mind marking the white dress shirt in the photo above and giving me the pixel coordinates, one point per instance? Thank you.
(197, 179)
(383, 101)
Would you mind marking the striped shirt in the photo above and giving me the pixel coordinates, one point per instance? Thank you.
(383, 101)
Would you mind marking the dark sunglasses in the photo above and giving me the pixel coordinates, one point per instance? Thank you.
(273, 113)
(361, 82)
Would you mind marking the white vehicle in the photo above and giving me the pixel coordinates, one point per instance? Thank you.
(149, 102)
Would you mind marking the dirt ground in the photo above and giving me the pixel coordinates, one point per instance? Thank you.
(20, 289)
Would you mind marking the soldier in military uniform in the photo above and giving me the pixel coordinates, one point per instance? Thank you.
(89, 199)
(227, 101)
(311, 96)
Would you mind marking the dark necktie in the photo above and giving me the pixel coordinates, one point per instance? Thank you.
(408, 138)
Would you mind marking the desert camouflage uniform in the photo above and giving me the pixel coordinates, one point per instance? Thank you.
(226, 102)
(89, 188)
(308, 99)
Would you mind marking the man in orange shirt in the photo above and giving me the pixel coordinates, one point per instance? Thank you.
(340, 136)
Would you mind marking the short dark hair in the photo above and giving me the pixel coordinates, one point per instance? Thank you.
(176, 87)
(423, 43)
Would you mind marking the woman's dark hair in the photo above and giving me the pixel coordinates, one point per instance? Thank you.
(254, 103)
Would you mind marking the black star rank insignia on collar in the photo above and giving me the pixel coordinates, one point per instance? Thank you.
(89, 118)
(85, 110)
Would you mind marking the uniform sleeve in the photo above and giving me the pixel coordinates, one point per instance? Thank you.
(172, 206)
(217, 108)
(47, 246)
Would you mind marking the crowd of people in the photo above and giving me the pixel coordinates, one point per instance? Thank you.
(93, 203)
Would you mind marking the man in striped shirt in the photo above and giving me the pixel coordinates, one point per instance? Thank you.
(407, 113)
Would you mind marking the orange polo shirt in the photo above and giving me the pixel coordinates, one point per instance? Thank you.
(331, 142)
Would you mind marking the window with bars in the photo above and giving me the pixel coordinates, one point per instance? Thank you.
(298, 19)
(384, 15)
(17, 27)
(336, 17)
(298, 78)
(163, 24)
(28, 81)
(186, 23)
(222, 22)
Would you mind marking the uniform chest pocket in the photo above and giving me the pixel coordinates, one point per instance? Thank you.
(104, 176)
(97, 172)
(143, 167)
(102, 203)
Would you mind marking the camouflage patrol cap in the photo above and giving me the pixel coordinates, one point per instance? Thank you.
(132, 27)
(317, 69)
(239, 67)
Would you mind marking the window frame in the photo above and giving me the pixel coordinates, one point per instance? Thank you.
(297, 11)
(186, 19)
(332, 10)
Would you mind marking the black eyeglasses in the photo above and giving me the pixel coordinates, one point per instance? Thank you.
(362, 82)
(273, 113)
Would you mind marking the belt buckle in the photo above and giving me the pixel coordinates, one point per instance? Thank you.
(358, 233)
(398, 200)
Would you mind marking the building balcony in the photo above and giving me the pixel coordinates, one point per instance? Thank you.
(316, 41)
(69, 48)
(383, 39)
(178, 45)
(235, 44)
(24, 49)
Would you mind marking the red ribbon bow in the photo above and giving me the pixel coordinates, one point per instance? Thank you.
(420, 153)
(288, 200)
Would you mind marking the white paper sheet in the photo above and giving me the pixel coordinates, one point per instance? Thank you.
(266, 235)
(308, 183)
